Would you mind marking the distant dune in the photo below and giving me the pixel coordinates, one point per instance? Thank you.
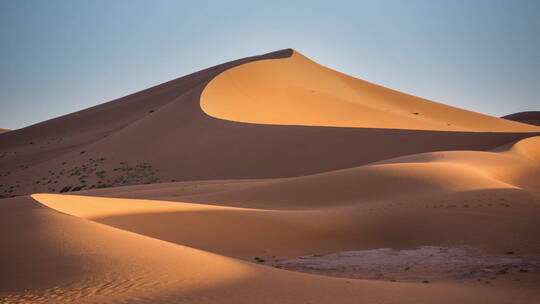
(4, 130)
(185, 193)
(530, 117)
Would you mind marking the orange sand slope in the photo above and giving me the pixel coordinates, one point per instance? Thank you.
(298, 91)
(4, 130)
(51, 257)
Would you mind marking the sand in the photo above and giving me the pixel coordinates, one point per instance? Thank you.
(529, 117)
(69, 150)
(245, 177)
(298, 91)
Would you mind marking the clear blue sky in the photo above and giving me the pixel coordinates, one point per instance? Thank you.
(57, 57)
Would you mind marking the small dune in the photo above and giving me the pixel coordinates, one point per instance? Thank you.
(529, 117)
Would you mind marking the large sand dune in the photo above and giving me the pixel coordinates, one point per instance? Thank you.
(272, 157)
(166, 128)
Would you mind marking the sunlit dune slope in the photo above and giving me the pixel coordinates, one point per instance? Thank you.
(493, 219)
(50, 257)
(4, 130)
(298, 91)
(517, 165)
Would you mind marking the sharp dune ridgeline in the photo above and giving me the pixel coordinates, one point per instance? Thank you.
(194, 190)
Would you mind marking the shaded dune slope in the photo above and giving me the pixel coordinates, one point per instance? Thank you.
(529, 117)
(165, 127)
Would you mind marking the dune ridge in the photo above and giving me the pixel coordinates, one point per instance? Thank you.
(97, 263)
(298, 91)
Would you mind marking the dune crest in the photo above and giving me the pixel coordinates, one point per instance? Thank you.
(298, 91)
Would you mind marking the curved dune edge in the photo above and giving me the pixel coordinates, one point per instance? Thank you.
(298, 91)
(528, 147)
(52, 257)
(340, 210)
(65, 259)
(228, 281)
(4, 130)
(425, 175)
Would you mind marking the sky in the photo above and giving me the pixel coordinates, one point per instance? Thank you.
(57, 57)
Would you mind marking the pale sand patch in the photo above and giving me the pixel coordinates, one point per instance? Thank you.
(421, 263)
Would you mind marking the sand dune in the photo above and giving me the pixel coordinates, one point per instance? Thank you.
(450, 192)
(4, 130)
(48, 257)
(515, 167)
(90, 263)
(274, 157)
(529, 117)
(298, 91)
